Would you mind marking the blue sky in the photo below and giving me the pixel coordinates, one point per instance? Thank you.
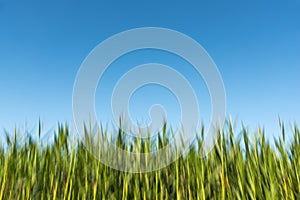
(255, 44)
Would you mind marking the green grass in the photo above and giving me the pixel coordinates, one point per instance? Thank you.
(245, 168)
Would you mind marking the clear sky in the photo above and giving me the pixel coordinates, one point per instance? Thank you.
(255, 44)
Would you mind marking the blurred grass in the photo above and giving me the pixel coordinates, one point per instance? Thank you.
(243, 168)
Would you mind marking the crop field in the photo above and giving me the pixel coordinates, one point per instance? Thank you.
(244, 167)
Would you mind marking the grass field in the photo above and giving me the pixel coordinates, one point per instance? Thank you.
(237, 168)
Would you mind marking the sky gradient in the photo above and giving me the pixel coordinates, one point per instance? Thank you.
(255, 44)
